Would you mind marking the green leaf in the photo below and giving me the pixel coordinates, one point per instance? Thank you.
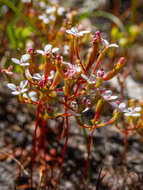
(11, 36)
(83, 16)
(25, 19)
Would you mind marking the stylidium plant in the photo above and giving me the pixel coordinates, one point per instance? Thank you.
(73, 83)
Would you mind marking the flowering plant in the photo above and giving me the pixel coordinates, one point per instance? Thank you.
(68, 81)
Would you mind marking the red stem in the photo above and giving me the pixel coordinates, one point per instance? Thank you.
(34, 141)
(87, 161)
(65, 145)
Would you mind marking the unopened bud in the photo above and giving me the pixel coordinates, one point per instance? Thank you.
(86, 101)
(116, 70)
(97, 34)
(100, 73)
(58, 58)
(30, 50)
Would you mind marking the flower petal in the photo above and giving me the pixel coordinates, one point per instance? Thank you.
(136, 114)
(27, 73)
(46, 20)
(60, 11)
(69, 32)
(81, 33)
(25, 95)
(85, 110)
(113, 97)
(122, 106)
(37, 76)
(32, 93)
(54, 50)
(16, 61)
(24, 90)
(24, 58)
(113, 45)
(24, 64)
(15, 92)
(52, 74)
(40, 52)
(12, 86)
(50, 10)
(84, 77)
(137, 109)
(128, 114)
(23, 84)
(108, 93)
(48, 48)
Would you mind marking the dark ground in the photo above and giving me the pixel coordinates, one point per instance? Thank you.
(16, 126)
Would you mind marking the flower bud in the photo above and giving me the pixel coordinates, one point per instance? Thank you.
(100, 73)
(116, 70)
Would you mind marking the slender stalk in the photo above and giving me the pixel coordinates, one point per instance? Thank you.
(35, 141)
(65, 145)
(101, 56)
(77, 54)
(89, 168)
(88, 157)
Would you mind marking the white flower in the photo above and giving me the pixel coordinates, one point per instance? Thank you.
(122, 106)
(60, 11)
(90, 80)
(50, 9)
(42, 4)
(52, 18)
(107, 95)
(74, 31)
(16, 90)
(52, 74)
(31, 95)
(44, 18)
(47, 49)
(66, 50)
(26, 1)
(133, 112)
(22, 61)
(107, 45)
(38, 77)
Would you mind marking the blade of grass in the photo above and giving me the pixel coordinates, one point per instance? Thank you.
(11, 36)
(104, 14)
(25, 19)
(113, 18)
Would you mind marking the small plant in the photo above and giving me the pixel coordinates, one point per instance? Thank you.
(65, 79)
